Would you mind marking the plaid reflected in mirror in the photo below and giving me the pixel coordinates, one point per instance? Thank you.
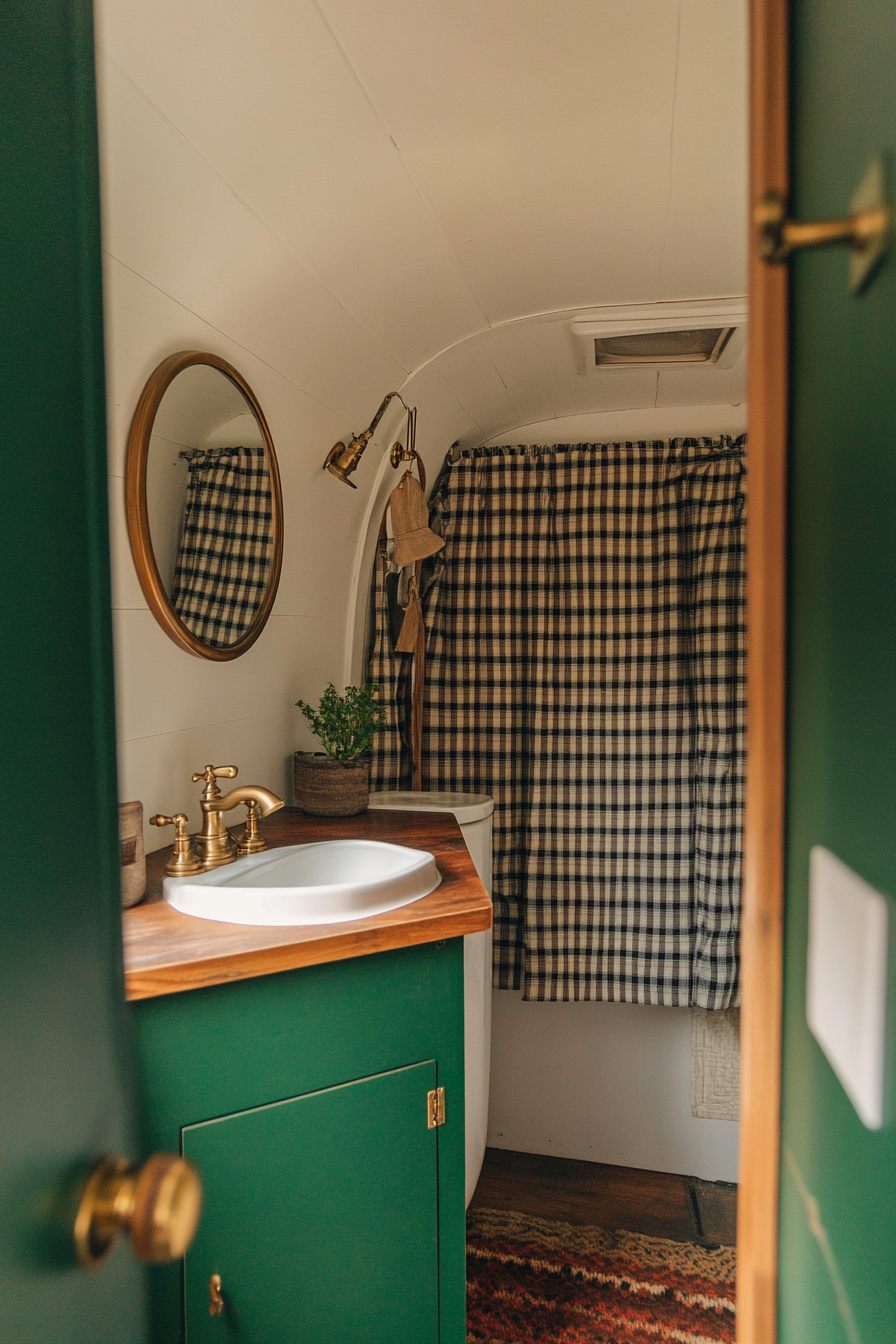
(226, 545)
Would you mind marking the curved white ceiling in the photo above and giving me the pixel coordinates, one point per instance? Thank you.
(463, 177)
(569, 154)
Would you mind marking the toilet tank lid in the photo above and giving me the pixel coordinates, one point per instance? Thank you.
(466, 807)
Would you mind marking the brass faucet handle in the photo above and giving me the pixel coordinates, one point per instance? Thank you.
(250, 841)
(183, 862)
(213, 772)
(178, 821)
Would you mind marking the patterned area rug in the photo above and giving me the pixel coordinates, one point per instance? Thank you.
(531, 1281)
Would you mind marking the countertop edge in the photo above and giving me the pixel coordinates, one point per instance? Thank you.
(153, 982)
(174, 960)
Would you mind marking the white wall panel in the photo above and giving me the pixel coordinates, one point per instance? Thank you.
(527, 356)
(602, 1082)
(126, 591)
(315, 570)
(245, 86)
(706, 244)
(612, 390)
(165, 689)
(623, 426)
(173, 220)
(688, 386)
(524, 127)
(480, 389)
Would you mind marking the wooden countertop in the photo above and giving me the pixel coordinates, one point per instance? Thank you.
(166, 952)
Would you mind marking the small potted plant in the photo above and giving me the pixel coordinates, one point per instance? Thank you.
(336, 781)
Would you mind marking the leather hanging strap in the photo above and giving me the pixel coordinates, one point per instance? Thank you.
(419, 672)
(412, 639)
(419, 666)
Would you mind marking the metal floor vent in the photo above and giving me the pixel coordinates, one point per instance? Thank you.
(701, 346)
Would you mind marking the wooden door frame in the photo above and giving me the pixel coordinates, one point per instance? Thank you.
(762, 946)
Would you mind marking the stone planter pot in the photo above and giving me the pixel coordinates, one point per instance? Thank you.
(327, 788)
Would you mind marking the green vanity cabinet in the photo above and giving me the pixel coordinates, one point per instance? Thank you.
(333, 1213)
(348, 1178)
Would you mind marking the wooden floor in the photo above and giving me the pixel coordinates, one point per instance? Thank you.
(656, 1203)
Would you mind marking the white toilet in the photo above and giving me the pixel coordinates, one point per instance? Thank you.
(474, 816)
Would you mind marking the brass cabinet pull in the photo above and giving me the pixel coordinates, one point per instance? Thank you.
(157, 1203)
(866, 231)
(215, 1296)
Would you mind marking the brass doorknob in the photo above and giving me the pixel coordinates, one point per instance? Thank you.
(158, 1203)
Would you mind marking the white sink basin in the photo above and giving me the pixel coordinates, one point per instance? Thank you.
(325, 883)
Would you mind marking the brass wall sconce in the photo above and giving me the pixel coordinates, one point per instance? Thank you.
(342, 459)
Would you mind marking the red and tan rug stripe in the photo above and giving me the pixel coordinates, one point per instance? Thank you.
(535, 1281)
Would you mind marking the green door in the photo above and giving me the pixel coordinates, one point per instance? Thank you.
(320, 1218)
(64, 1074)
(838, 1178)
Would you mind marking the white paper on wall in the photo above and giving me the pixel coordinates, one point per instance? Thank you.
(846, 991)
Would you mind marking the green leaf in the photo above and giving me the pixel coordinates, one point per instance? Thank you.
(345, 725)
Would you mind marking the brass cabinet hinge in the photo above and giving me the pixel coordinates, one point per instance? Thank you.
(215, 1296)
(435, 1108)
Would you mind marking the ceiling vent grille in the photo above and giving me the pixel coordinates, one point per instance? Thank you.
(701, 346)
(616, 342)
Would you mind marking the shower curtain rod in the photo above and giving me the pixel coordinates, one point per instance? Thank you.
(455, 451)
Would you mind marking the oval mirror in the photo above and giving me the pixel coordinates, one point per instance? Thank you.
(205, 512)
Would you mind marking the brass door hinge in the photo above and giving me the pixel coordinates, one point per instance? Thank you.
(435, 1108)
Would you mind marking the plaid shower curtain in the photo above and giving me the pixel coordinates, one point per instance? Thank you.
(586, 667)
(226, 544)
(390, 766)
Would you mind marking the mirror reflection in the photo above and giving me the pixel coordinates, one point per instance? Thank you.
(205, 522)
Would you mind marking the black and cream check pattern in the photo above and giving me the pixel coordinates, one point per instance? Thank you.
(586, 667)
(226, 545)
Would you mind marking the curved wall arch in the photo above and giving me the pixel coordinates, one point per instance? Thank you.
(342, 199)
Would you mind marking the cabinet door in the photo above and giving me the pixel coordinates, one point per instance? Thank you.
(320, 1217)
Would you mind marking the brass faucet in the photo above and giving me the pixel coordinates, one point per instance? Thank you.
(214, 845)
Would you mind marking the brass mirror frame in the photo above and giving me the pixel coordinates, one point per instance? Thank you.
(138, 514)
